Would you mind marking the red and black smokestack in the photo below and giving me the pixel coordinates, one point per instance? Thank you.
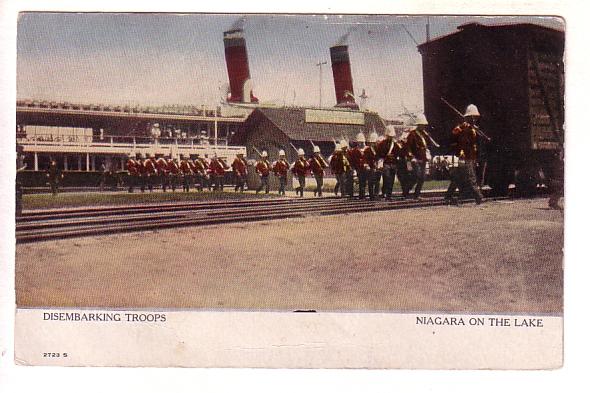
(238, 71)
(342, 77)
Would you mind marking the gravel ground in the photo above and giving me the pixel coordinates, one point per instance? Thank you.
(499, 257)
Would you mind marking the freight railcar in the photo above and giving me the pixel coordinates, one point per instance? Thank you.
(515, 76)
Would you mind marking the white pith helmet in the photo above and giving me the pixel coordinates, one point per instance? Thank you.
(471, 111)
(390, 131)
(360, 137)
(344, 144)
(316, 149)
(300, 152)
(264, 154)
(421, 120)
(152, 155)
(281, 152)
(373, 137)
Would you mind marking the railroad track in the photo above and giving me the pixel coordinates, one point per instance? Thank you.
(67, 223)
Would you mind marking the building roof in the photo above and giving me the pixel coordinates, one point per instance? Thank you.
(291, 121)
(468, 28)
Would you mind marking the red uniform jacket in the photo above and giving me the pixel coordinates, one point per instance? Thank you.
(370, 155)
(317, 165)
(162, 166)
(185, 167)
(239, 167)
(173, 167)
(389, 151)
(217, 167)
(150, 167)
(465, 138)
(280, 168)
(197, 166)
(300, 167)
(339, 163)
(132, 167)
(263, 167)
(416, 146)
(356, 159)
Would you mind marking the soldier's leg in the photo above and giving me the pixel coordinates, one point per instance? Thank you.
(266, 185)
(362, 174)
(320, 185)
(387, 181)
(337, 185)
(260, 186)
(472, 182)
(350, 183)
(301, 184)
(419, 171)
(376, 183)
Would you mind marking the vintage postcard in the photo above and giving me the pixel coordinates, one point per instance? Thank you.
(289, 190)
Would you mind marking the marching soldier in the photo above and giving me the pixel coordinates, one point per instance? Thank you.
(465, 139)
(405, 171)
(174, 172)
(54, 176)
(340, 166)
(186, 172)
(218, 168)
(263, 170)
(389, 151)
(199, 170)
(348, 185)
(280, 168)
(299, 169)
(207, 173)
(162, 168)
(317, 165)
(150, 171)
(133, 171)
(358, 164)
(240, 169)
(370, 156)
(416, 145)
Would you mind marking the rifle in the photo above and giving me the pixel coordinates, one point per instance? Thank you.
(408, 113)
(294, 148)
(476, 128)
(257, 152)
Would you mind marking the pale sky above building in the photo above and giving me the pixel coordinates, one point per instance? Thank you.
(165, 59)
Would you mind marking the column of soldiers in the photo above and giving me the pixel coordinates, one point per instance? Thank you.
(369, 160)
(147, 171)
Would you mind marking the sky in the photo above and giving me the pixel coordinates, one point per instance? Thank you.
(166, 59)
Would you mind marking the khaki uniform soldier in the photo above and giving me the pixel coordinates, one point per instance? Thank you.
(317, 164)
(280, 169)
(370, 156)
(300, 168)
(348, 185)
(263, 169)
(240, 169)
(54, 176)
(465, 139)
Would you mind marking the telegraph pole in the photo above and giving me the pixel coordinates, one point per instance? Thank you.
(320, 64)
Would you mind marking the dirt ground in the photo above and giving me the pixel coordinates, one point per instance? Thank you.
(499, 257)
